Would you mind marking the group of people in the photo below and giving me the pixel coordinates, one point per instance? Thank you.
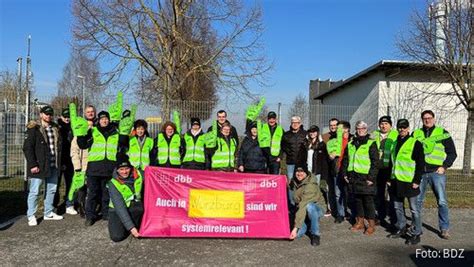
(363, 178)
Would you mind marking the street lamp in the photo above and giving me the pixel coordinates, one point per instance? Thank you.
(83, 93)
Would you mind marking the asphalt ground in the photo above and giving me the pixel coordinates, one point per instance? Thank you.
(69, 242)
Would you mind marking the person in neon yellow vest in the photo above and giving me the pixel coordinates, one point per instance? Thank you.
(384, 137)
(273, 151)
(102, 144)
(223, 153)
(193, 143)
(126, 205)
(360, 167)
(440, 154)
(408, 161)
(167, 150)
(139, 147)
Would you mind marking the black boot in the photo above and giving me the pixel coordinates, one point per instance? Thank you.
(399, 233)
(315, 240)
(413, 240)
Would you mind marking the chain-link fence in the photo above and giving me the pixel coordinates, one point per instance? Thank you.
(14, 113)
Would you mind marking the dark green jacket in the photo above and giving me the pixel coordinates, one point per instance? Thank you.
(304, 192)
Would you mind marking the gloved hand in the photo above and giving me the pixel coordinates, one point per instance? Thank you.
(115, 109)
(78, 181)
(126, 123)
(211, 137)
(79, 125)
(177, 121)
(253, 110)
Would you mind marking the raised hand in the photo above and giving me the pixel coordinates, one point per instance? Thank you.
(126, 123)
(177, 121)
(115, 109)
(79, 125)
(211, 137)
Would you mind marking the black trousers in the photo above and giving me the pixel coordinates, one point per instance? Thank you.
(117, 230)
(273, 167)
(97, 192)
(365, 206)
(68, 173)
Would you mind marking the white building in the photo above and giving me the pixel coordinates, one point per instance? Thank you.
(397, 88)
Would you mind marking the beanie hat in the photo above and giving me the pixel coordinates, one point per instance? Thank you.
(102, 114)
(195, 121)
(123, 161)
(386, 118)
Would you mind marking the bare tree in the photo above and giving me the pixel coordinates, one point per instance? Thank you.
(180, 49)
(9, 90)
(443, 37)
(299, 107)
(71, 86)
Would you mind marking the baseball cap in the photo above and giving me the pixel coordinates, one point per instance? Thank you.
(313, 129)
(47, 110)
(65, 113)
(403, 123)
(271, 115)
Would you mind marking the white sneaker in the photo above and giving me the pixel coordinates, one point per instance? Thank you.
(32, 221)
(53, 217)
(71, 211)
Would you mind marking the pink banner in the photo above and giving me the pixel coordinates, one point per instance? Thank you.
(190, 203)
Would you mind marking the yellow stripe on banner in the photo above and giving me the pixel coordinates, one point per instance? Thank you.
(216, 204)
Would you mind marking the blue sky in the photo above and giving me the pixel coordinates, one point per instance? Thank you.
(307, 39)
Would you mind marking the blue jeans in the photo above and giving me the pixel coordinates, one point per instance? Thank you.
(34, 190)
(313, 214)
(415, 214)
(290, 172)
(340, 195)
(438, 185)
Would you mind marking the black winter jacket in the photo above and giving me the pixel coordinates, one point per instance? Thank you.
(105, 167)
(66, 137)
(320, 158)
(293, 145)
(358, 182)
(37, 151)
(251, 156)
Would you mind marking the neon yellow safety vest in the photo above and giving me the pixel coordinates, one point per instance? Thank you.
(140, 156)
(359, 159)
(102, 148)
(334, 145)
(432, 146)
(224, 155)
(194, 151)
(171, 151)
(265, 138)
(127, 193)
(386, 150)
(403, 165)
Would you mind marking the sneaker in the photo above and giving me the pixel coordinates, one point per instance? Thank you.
(339, 219)
(71, 211)
(32, 221)
(445, 234)
(53, 217)
(328, 213)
